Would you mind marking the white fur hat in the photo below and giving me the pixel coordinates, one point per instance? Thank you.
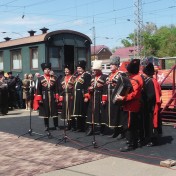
(97, 65)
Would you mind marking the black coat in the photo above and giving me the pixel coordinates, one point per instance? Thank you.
(48, 90)
(66, 91)
(95, 106)
(80, 89)
(110, 111)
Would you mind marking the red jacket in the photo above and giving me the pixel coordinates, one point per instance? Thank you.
(158, 102)
(133, 99)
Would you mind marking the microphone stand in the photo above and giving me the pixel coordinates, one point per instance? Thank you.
(30, 131)
(65, 137)
(94, 142)
(49, 135)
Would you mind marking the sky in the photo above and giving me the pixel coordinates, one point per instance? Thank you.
(113, 20)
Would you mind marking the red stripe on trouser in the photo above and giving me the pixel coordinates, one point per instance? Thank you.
(129, 118)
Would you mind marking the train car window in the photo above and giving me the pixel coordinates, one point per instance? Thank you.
(169, 63)
(55, 57)
(103, 66)
(34, 58)
(150, 59)
(1, 61)
(108, 66)
(156, 62)
(81, 54)
(153, 60)
(16, 60)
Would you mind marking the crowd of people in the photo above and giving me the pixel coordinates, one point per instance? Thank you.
(16, 93)
(89, 101)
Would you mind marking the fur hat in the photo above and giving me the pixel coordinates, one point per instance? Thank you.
(97, 65)
(82, 64)
(45, 65)
(133, 66)
(2, 73)
(9, 73)
(70, 67)
(115, 60)
(149, 69)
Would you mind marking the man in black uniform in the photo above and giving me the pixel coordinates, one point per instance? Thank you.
(95, 97)
(80, 99)
(47, 96)
(66, 86)
(111, 111)
(3, 94)
(152, 102)
(12, 90)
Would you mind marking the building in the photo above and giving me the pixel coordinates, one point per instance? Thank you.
(100, 52)
(125, 54)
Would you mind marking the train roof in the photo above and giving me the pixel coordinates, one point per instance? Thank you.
(166, 58)
(39, 38)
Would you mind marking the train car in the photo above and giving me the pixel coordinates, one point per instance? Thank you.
(25, 55)
(166, 76)
(166, 64)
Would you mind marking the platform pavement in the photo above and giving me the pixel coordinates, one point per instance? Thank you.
(109, 166)
(113, 166)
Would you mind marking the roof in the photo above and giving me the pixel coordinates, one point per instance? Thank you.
(166, 58)
(97, 49)
(22, 41)
(124, 52)
(39, 38)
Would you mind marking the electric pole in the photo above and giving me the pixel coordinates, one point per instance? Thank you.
(94, 40)
(138, 31)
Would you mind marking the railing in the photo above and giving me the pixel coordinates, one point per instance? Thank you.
(169, 109)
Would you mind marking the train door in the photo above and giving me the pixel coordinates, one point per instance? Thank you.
(69, 55)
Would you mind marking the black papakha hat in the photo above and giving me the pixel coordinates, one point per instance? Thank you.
(70, 67)
(1, 72)
(82, 64)
(133, 66)
(45, 65)
(149, 69)
(9, 73)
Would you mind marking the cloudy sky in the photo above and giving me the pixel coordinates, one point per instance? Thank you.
(112, 19)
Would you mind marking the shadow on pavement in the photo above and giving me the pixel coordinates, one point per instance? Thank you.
(18, 125)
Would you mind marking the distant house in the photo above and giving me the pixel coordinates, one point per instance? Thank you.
(100, 52)
(125, 53)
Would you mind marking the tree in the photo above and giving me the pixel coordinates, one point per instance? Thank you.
(159, 42)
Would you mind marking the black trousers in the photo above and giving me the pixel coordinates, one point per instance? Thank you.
(133, 128)
(55, 122)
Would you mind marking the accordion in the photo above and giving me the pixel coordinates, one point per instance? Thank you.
(122, 88)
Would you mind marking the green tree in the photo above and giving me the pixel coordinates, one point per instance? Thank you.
(159, 42)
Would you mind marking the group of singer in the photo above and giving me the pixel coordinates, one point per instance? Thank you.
(88, 105)
(89, 101)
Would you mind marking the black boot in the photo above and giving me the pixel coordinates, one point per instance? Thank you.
(69, 124)
(74, 124)
(46, 122)
(80, 124)
(116, 132)
(127, 148)
(102, 130)
(89, 131)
